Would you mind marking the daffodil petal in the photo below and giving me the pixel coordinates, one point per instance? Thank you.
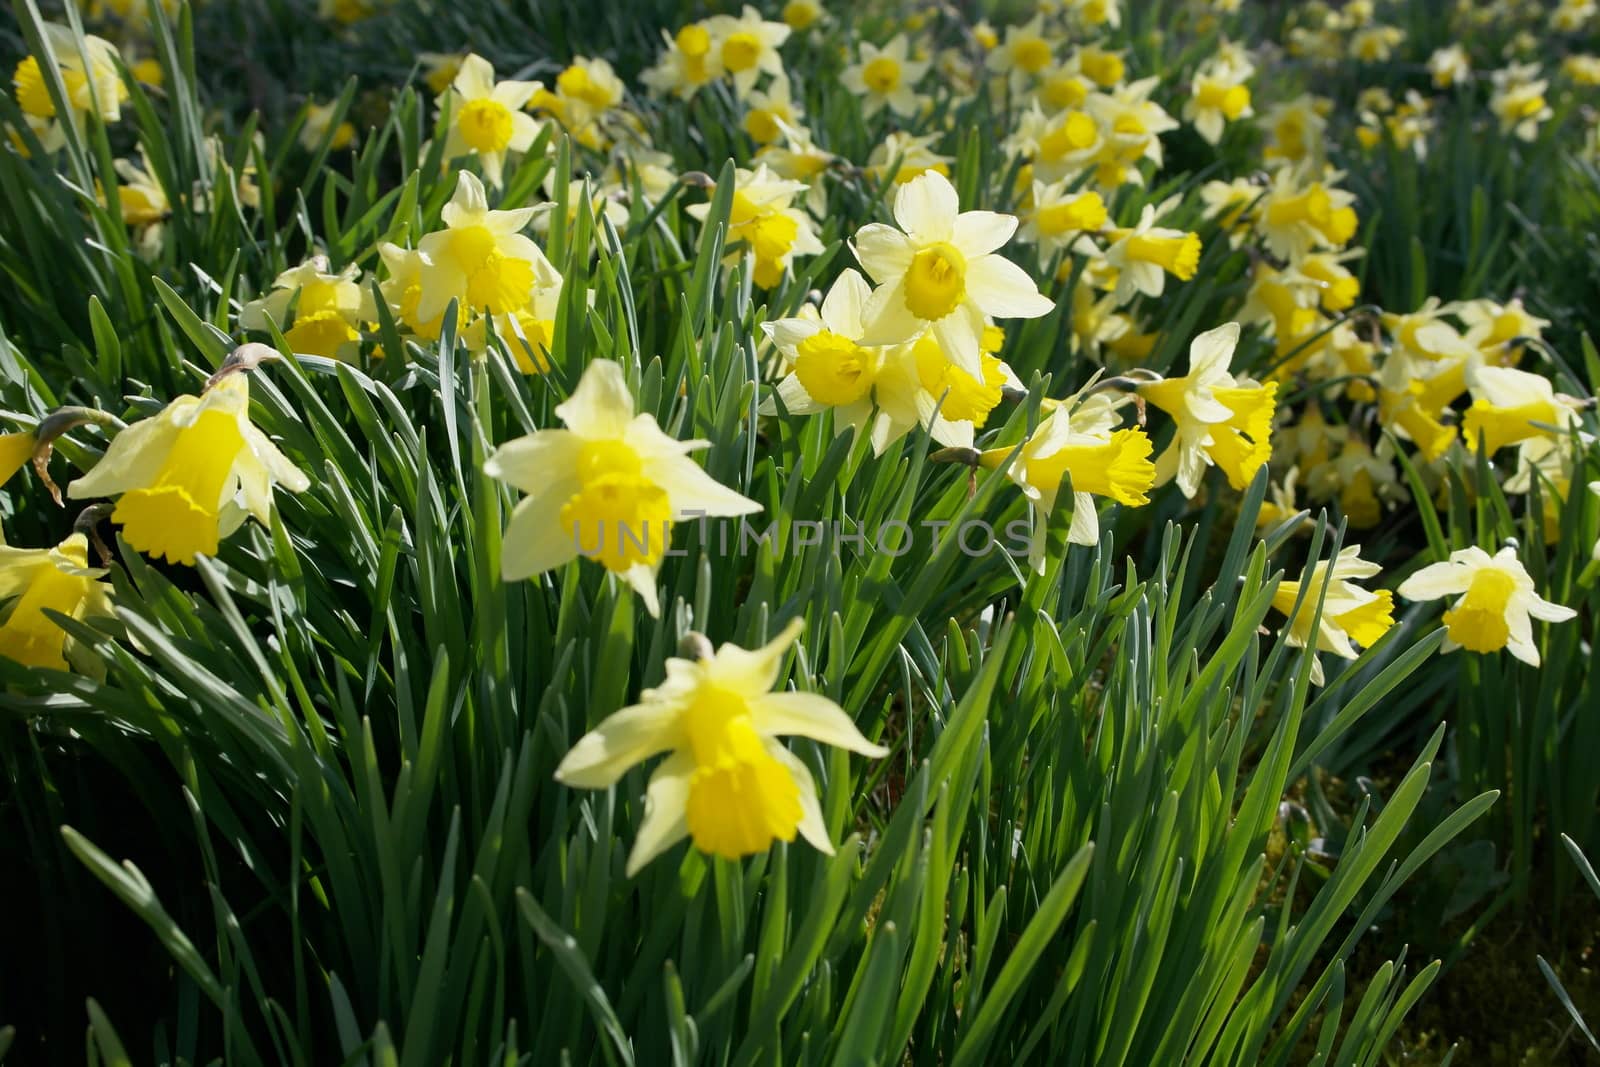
(812, 715)
(666, 804)
(621, 741)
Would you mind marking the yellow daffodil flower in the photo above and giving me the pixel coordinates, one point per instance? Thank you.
(609, 487)
(1350, 616)
(747, 47)
(327, 309)
(939, 272)
(728, 785)
(1497, 601)
(1221, 420)
(486, 117)
(60, 579)
(190, 476)
(886, 77)
(1511, 405)
(481, 258)
(1083, 442)
(91, 79)
(689, 62)
(1144, 255)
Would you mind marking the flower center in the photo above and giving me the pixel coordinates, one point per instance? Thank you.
(741, 51)
(1231, 100)
(694, 41)
(1087, 212)
(176, 515)
(495, 282)
(965, 398)
(1369, 622)
(618, 517)
(762, 125)
(576, 83)
(1478, 623)
(1032, 54)
(1178, 256)
(800, 14)
(32, 95)
(882, 75)
(1104, 68)
(1311, 206)
(741, 798)
(1118, 468)
(1064, 91)
(321, 333)
(1074, 134)
(936, 283)
(834, 370)
(485, 125)
(770, 236)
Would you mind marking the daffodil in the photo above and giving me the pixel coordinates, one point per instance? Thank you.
(318, 127)
(1449, 67)
(1427, 336)
(327, 309)
(910, 156)
(763, 223)
(747, 46)
(486, 117)
(58, 579)
(1230, 203)
(939, 272)
(91, 79)
(886, 77)
(481, 258)
(1497, 601)
(402, 291)
(769, 112)
(1414, 406)
(1145, 254)
(689, 62)
(16, 449)
(871, 389)
(1296, 216)
(527, 333)
(191, 475)
(728, 785)
(1082, 441)
(1220, 420)
(1103, 66)
(1521, 107)
(593, 83)
(610, 487)
(1059, 216)
(1060, 144)
(798, 159)
(439, 69)
(1218, 97)
(143, 203)
(1499, 330)
(1339, 287)
(1023, 54)
(1093, 13)
(1511, 405)
(1350, 615)
(1297, 130)
(1132, 124)
(803, 14)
